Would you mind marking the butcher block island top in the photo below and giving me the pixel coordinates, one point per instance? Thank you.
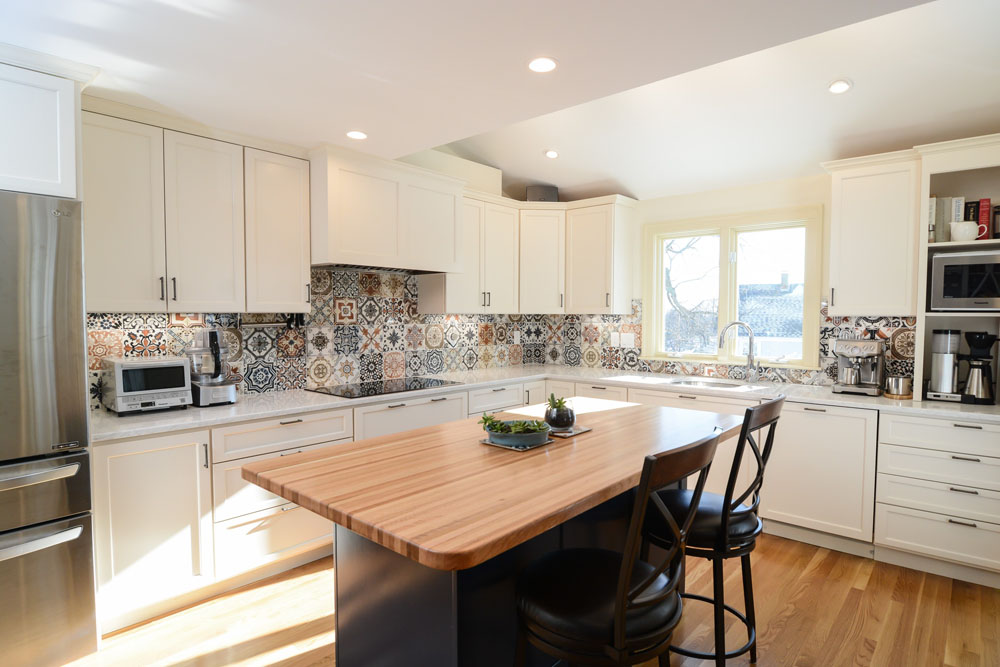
(441, 498)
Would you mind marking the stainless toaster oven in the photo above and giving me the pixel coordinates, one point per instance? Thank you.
(153, 383)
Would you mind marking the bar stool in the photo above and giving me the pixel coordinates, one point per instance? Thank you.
(724, 527)
(600, 607)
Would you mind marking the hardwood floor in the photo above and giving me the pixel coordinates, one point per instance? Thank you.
(814, 607)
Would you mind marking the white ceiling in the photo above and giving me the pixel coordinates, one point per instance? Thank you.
(413, 75)
(926, 74)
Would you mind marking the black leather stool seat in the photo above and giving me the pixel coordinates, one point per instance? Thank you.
(571, 593)
(707, 522)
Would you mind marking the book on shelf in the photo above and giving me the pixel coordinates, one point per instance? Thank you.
(996, 222)
(943, 213)
(958, 209)
(984, 219)
(971, 210)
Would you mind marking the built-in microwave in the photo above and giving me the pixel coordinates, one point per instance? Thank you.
(965, 281)
(153, 383)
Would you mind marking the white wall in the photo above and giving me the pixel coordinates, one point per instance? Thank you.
(805, 191)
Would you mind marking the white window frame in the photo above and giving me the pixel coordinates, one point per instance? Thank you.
(727, 228)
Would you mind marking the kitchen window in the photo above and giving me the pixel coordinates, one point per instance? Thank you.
(762, 268)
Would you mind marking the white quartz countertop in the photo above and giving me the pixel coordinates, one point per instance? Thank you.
(106, 426)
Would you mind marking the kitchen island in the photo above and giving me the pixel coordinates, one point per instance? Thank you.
(431, 527)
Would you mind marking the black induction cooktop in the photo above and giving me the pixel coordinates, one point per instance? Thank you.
(359, 389)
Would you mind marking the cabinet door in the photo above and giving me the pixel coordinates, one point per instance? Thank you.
(153, 518)
(821, 474)
(277, 232)
(203, 190)
(589, 259)
(874, 225)
(37, 132)
(432, 223)
(253, 540)
(542, 274)
(464, 293)
(560, 388)
(374, 420)
(499, 258)
(534, 392)
(123, 216)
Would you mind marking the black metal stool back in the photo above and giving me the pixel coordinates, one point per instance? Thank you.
(760, 420)
(659, 471)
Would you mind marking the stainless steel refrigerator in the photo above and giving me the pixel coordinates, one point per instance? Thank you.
(47, 612)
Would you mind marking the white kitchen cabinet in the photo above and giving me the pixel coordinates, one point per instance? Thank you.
(973, 543)
(253, 540)
(37, 132)
(124, 227)
(560, 388)
(595, 390)
(950, 435)
(601, 254)
(203, 195)
(376, 212)
(534, 392)
(499, 259)
(874, 224)
(153, 524)
(722, 463)
(821, 474)
(371, 421)
(238, 441)
(277, 233)
(458, 292)
(542, 262)
(494, 399)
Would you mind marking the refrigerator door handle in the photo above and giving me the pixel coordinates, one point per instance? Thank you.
(41, 543)
(40, 477)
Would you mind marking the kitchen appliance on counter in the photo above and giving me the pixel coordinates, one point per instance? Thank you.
(860, 366)
(979, 382)
(965, 281)
(360, 389)
(210, 381)
(47, 615)
(943, 385)
(146, 383)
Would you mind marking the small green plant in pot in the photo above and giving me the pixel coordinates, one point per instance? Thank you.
(519, 433)
(559, 415)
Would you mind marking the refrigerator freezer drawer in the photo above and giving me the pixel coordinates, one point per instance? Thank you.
(43, 490)
(47, 588)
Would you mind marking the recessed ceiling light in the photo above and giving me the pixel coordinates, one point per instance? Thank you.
(840, 86)
(551, 154)
(542, 65)
(357, 134)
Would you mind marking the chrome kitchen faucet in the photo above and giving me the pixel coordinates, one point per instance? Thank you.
(753, 370)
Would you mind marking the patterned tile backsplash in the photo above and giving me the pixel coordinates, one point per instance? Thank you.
(364, 326)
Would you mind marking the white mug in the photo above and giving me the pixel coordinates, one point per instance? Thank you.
(966, 231)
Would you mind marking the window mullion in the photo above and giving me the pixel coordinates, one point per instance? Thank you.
(726, 279)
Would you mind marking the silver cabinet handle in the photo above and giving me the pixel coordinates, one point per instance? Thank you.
(607, 299)
(309, 293)
(971, 459)
(173, 281)
(693, 398)
(972, 492)
(396, 405)
(297, 451)
(438, 400)
(972, 426)
(204, 447)
(500, 389)
(483, 304)
(40, 477)
(289, 508)
(832, 301)
(489, 299)
(815, 409)
(970, 524)
(560, 299)
(290, 421)
(46, 542)
(163, 288)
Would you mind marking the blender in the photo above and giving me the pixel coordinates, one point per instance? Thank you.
(210, 382)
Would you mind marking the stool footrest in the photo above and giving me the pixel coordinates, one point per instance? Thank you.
(729, 654)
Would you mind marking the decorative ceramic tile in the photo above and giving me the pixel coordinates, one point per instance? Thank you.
(187, 320)
(415, 363)
(434, 361)
(410, 309)
(533, 353)
(95, 381)
(290, 343)
(102, 343)
(346, 369)
(345, 283)
(259, 376)
(554, 354)
(410, 291)
(319, 340)
(470, 358)
(453, 359)
(414, 337)
(393, 338)
(259, 343)
(434, 336)
(321, 283)
(515, 355)
(345, 310)
(394, 286)
(144, 343)
(500, 356)
(591, 356)
(486, 334)
(470, 334)
(369, 311)
(347, 339)
(370, 284)
(531, 333)
(453, 336)
(487, 359)
(370, 367)
(105, 321)
(371, 339)
(144, 321)
(291, 373)
(319, 371)
(591, 334)
(572, 355)
(393, 310)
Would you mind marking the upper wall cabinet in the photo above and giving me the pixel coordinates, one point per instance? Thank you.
(542, 263)
(373, 212)
(499, 258)
(37, 132)
(277, 232)
(203, 196)
(601, 252)
(873, 234)
(458, 292)
(124, 234)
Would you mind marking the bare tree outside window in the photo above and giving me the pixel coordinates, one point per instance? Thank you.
(690, 294)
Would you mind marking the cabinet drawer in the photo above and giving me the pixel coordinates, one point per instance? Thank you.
(953, 435)
(961, 501)
(233, 496)
(981, 472)
(372, 421)
(495, 398)
(671, 399)
(559, 388)
(275, 435)
(609, 392)
(250, 541)
(975, 543)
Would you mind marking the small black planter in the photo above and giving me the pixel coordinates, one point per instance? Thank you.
(560, 418)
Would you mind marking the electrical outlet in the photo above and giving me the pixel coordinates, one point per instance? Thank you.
(628, 340)
(517, 337)
(615, 339)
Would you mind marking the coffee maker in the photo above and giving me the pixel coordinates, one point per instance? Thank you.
(210, 382)
(860, 366)
(943, 385)
(979, 382)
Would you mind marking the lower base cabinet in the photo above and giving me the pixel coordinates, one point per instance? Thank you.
(534, 392)
(560, 388)
(821, 474)
(372, 421)
(253, 540)
(153, 524)
(609, 392)
(974, 543)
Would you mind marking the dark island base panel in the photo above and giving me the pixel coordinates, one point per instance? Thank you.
(394, 612)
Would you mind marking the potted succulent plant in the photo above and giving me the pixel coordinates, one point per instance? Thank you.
(519, 433)
(559, 415)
